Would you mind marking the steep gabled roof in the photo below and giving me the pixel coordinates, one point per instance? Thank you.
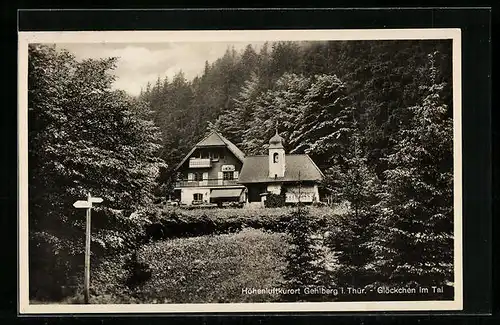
(233, 148)
(256, 170)
(214, 139)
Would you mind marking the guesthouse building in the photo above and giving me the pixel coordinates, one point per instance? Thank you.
(215, 171)
(295, 176)
(209, 173)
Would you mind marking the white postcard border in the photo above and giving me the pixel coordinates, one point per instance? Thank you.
(25, 308)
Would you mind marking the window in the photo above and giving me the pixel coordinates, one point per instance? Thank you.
(227, 175)
(198, 176)
(204, 154)
(275, 157)
(197, 197)
(215, 155)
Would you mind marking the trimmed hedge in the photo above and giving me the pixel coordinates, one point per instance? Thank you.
(174, 223)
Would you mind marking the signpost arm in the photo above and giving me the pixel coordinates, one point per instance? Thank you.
(87, 205)
(87, 254)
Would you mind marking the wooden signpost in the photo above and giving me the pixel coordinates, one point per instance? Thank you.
(87, 205)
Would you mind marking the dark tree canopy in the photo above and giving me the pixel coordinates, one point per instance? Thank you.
(83, 137)
(300, 84)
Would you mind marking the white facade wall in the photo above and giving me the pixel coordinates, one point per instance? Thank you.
(188, 192)
(274, 188)
(308, 193)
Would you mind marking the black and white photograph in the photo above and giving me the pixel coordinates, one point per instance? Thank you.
(246, 171)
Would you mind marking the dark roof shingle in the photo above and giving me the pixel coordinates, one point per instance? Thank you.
(213, 139)
(256, 170)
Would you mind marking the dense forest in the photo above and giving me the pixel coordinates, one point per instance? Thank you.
(313, 90)
(375, 116)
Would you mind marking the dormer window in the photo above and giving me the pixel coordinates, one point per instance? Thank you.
(275, 157)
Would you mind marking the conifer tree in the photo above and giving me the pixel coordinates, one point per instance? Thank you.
(354, 230)
(304, 269)
(414, 244)
(286, 57)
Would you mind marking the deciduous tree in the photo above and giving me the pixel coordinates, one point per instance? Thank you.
(83, 137)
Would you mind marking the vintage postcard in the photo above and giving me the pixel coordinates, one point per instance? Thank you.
(240, 171)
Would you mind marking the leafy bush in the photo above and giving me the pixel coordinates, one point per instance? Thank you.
(50, 275)
(275, 200)
(116, 235)
(140, 271)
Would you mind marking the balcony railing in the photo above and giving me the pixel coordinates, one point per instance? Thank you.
(200, 163)
(207, 182)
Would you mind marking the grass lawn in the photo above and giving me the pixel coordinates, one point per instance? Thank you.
(213, 268)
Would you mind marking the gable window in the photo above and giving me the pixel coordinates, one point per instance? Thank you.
(228, 175)
(275, 157)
